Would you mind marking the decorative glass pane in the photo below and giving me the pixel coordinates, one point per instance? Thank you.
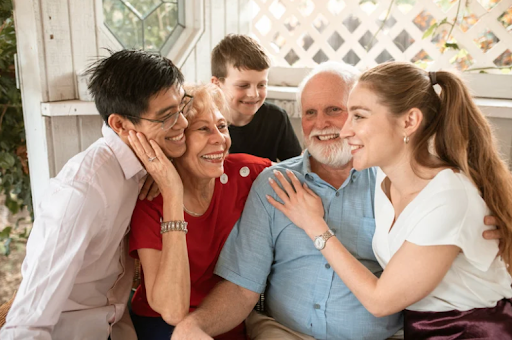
(123, 23)
(142, 7)
(144, 24)
(159, 25)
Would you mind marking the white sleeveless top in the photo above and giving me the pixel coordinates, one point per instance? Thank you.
(448, 211)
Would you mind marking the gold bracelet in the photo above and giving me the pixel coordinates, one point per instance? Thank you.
(173, 226)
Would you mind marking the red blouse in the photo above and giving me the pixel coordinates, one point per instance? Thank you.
(206, 234)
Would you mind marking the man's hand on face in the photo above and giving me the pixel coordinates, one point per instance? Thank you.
(149, 190)
(188, 330)
(493, 234)
(156, 163)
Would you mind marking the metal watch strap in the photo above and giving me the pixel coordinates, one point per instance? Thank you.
(327, 235)
(173, 226)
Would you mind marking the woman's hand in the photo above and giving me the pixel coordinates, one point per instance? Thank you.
(494, 234)
(301, 205)
(156, 163)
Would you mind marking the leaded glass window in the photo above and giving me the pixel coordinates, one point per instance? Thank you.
(151, 25)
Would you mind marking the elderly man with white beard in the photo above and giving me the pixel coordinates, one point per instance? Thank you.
(266, 252)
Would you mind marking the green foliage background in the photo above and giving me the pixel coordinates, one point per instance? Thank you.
(14, 177)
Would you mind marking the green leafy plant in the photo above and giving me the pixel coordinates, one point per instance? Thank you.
(14, 176)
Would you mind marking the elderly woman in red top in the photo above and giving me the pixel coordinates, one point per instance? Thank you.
(207, 188)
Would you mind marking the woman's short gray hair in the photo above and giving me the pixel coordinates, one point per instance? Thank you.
(347, 73)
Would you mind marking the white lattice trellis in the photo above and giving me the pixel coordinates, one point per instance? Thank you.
(304, 32)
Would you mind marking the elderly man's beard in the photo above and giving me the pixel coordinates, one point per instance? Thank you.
(335, 154)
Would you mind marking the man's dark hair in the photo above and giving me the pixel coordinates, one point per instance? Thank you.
(124, 82)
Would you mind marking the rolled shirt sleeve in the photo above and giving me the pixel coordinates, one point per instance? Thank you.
(70, 217)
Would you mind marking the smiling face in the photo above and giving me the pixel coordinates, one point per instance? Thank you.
(374, 135)
(324, 112)
(163, 104)
(245, 91)
(208, 143)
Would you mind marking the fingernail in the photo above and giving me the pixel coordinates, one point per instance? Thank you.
(276, 172)
(267, 196)
(270, 180)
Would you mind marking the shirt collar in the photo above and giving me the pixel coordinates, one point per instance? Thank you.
(129, 162)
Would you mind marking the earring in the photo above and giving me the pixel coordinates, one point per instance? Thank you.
(406, 138)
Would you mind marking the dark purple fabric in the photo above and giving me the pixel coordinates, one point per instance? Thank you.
(479, 323)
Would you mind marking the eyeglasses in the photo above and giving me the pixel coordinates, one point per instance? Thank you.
(170, 120)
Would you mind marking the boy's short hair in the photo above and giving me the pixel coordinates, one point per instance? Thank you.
(240, 51)
(124, 82)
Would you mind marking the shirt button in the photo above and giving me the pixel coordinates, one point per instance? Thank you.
(244, 172)
(316, 306)
(337, 194)
(327, 266)
(354, 177)
(224, 178)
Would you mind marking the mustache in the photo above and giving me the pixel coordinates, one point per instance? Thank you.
(326, 131)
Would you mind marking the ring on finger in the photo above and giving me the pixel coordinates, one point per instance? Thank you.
(151, 159)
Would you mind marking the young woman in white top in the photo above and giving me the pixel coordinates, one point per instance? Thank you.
(441, 174)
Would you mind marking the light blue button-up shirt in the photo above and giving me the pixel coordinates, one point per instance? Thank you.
(266, 252)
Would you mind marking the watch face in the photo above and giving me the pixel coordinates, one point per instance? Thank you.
(319, 243)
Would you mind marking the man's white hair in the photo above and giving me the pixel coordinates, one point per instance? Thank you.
(347, 73)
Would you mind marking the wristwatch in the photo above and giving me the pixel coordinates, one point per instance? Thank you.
(321, 240)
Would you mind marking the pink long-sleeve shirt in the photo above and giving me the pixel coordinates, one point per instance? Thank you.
(76, 274)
